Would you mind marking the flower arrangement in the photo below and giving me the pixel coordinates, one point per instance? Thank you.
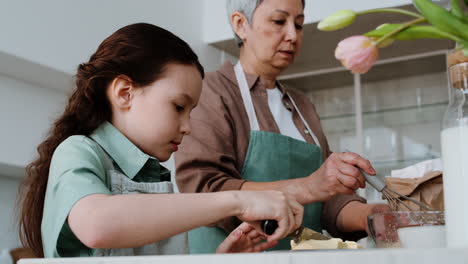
(359, 53)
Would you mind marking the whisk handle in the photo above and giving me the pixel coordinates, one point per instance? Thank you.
(376, 182)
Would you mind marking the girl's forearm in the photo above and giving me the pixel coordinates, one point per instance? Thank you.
(122, 221)
(298, 188)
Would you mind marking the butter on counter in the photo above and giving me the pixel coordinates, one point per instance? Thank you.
(334, 243)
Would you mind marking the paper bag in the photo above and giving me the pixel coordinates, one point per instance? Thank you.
(427, 189)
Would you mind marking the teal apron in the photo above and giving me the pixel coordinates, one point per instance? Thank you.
(270, 157)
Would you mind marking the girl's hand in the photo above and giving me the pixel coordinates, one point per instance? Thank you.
(245, 239)
(270, 205)
(338, 175)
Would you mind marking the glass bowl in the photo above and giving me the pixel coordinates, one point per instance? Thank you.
(408, 229)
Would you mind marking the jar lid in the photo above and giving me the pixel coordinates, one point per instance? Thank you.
(456, 57)
(459, 75)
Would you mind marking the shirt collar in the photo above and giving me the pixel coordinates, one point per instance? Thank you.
(253, 80)
(128, 157)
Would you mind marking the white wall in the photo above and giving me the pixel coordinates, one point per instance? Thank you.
(216, 25)
(26, 112)
(62, 33)
(8, 226)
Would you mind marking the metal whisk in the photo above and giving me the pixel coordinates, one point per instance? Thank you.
(392, 196)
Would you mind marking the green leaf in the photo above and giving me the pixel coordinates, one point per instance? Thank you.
(441, 18)
(458, 11)
(411, 33)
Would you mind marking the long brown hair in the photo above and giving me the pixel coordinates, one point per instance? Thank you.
(140, 52)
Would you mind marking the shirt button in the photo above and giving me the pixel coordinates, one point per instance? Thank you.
(306, 131)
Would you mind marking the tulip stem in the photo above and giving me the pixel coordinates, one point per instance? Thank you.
(390, 10)
(399, 29)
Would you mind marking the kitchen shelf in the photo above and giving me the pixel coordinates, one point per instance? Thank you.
(405, 116)
(385, 69)
(390, 110)
(384, 167)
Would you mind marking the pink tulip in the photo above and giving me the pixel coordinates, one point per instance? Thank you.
(357, 53)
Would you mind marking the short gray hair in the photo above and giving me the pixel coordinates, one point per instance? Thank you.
(246, 7)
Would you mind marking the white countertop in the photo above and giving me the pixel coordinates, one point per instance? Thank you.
(362, 256)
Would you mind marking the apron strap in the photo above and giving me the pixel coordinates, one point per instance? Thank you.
(245, 93)
(249, 108)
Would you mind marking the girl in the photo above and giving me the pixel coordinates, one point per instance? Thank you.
(129, 111)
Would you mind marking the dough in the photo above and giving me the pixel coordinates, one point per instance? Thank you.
(334, 243)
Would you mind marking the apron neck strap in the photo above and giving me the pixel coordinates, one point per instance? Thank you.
(245, 93)
(249, 107)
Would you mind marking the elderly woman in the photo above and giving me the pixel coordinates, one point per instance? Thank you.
(251, 133)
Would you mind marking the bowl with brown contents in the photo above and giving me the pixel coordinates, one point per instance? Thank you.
(408, 229)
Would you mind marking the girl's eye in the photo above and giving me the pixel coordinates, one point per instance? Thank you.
(299, 27)
(279, 22)
(179, 108)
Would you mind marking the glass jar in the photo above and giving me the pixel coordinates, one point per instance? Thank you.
(454, 138)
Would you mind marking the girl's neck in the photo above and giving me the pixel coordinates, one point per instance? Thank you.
(253, 66)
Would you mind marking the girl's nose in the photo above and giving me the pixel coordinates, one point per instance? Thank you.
(186, 128)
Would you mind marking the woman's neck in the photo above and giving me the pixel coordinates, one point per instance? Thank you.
(252, 66)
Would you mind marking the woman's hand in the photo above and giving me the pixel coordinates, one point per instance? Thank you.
(353, 216)
(245, 239)
(270, 205)
(338, 175)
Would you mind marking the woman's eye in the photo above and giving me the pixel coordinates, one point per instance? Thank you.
(279, 22)
(299, 27)
(179, 108)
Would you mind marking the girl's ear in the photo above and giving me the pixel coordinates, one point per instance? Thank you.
(239, 24)
(121, 92)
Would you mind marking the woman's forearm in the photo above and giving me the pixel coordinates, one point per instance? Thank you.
(121, 221)
(352, 217)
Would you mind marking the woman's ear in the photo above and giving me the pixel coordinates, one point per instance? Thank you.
(121, 93)
(239, 24)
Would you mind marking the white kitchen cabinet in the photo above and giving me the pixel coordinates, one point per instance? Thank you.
(216, 26)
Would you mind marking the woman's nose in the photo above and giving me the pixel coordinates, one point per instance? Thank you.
(291, 32)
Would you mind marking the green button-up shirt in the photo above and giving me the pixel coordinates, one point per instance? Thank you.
(77, 170)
